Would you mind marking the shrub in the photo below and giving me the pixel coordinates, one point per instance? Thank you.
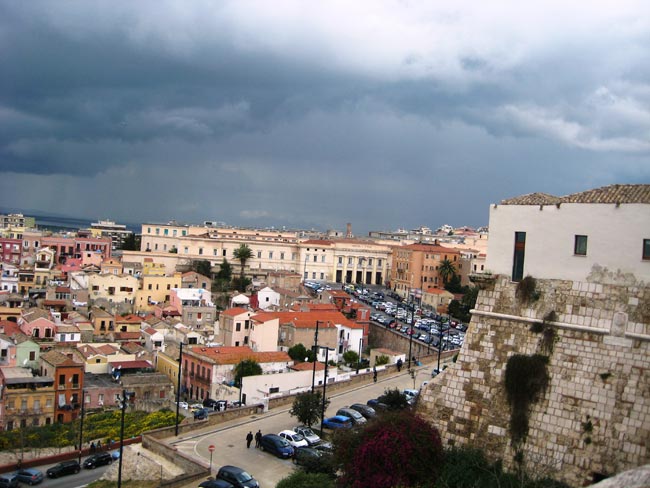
(398, 449)
(526, 290)
(301, 479)
(381, 360)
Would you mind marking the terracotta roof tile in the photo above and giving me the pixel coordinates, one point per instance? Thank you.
(606, 194)
(233, 312)
(234, 355)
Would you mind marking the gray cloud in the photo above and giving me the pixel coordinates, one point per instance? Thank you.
(383, 114)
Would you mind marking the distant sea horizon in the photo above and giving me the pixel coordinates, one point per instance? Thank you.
(60, 223)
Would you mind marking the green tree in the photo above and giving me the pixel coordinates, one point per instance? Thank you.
(223, 278)
(307, 407)
(394, 399)
(350, 358)
(247, 367)
(202, 266)
(454, 285)
(243, 253)
(381, 360)
(395, 450)
(300, 353)
(301, 479)
(131, 242)
(446, 270)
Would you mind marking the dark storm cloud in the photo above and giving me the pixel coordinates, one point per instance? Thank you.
(383, 114)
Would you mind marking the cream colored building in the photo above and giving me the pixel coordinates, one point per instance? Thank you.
(339, 260)
(112, 288)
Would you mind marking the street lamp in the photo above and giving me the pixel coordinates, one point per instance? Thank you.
(178, 386)
(322, 414)
(315, 349)
(124, 400)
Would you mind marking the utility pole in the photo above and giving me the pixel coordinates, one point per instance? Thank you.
(322, 415)
(126, 395)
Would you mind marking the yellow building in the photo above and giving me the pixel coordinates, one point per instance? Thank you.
(167, 362)
(112, 288)
(155, 289)
(28, 400)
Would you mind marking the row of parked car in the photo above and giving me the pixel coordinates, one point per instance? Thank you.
(33, 476)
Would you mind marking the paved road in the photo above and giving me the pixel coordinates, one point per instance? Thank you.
(230, 441)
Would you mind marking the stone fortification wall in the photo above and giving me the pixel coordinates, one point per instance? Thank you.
(594, 415)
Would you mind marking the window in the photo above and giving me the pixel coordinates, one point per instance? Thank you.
(157, 231)
(518, 258)
(166, 232)
(186, 250)
(322, 258)
(259, 254)
(223, 253)
(322, 276)
(270, 254)
(200, 251)
(237, 326)
(349, 261)
(214, 252)
(646, 248)
(61, 380)
(32, 355)
(246, 324)
(281, 255)
(379, 262)
(174, 232)
(340, 259)
(580, 245)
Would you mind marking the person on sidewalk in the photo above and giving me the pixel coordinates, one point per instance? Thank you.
(258, 439)
(249, 439)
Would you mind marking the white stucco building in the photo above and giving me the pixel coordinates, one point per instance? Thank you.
(600, 232)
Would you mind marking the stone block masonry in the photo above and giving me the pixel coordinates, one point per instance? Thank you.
(593, 418)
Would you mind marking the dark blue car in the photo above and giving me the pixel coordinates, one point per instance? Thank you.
(276, 445)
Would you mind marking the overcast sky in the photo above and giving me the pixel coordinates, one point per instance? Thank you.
(384, 114)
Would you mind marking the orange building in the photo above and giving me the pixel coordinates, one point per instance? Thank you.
(68, 373)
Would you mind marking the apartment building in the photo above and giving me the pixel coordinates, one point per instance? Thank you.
(26, 400)
(417, 266)
(155, 289)
(68, 373)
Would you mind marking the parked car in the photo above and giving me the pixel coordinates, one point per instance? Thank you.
(201, 414)
(276, 445)
(96, 460)
(411, 395)
(215, 484)
(356, 417)
(377, 405)
(365, 410)
(115, 455)
(210, 403)
(293, 438)
(30, 476)
(9, 480)
(183, 405)
(310, 436)
(237, 477)
(308, 455)
(63, 468)
(337, 422)
(196, 406)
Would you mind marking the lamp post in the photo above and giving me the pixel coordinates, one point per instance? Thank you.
(178, 387)
(126, 395)
(315, 349)
(81, 424)
(411, 334)
(322, 413)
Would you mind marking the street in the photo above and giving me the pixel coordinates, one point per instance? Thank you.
(230, 442)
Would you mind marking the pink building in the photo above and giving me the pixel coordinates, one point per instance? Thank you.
(85, 248)
(10, 250)
(37, 323)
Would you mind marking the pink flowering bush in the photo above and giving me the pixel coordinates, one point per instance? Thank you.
(398, 449)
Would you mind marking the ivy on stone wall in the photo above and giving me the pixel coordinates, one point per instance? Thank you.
(525, 381)
(526, 291)
(547, 329)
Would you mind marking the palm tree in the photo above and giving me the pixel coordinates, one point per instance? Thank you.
(243, 253)
(446, 270)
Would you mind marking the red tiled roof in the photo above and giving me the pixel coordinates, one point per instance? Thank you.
(130, 318)
(234, 355)
(137, 364)
(320, 242)
(307, 320)
(233, 312)
(126, 336)
(308, 366)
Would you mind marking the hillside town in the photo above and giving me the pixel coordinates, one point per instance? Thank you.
(84, 318)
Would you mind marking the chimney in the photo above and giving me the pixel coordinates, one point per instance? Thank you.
(348, 231)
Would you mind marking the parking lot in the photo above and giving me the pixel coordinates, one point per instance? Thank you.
(230, 439)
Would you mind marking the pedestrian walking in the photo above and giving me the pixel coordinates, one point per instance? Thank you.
(399, 365)
(258, 439)
(249, 439)
(374, 374)
(92, 447)
(99, 445)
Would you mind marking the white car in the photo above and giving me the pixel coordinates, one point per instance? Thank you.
(183, 405)
(293, 438)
